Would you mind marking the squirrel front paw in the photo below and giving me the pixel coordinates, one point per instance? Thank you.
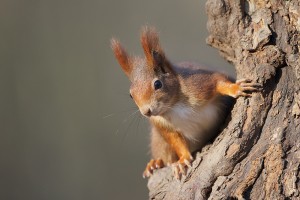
(242, 87)
(180, 167)
(151, 166)
(245, 88)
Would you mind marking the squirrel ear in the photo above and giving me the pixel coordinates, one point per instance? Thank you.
(121, 55)
(150, 43)
(153, 51)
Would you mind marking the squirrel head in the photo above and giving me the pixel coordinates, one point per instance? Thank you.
(154, 84)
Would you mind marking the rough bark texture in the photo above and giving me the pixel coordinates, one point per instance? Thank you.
(257, 155)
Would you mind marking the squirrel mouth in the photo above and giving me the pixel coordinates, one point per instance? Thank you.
(159, 112)
(151, 113)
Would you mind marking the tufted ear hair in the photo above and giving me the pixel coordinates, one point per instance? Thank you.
(121, 55)
(154, 54)
(150, 43)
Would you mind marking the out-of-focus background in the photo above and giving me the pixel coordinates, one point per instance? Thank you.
(67, 128)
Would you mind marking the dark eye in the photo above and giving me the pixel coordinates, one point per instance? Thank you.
(157, 84)
(130, 95)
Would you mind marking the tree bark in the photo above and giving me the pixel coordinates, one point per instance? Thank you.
(257, 155)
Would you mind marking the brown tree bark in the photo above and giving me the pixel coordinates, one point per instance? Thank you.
(257, 155)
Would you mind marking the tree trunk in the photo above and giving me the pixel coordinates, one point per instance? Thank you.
(257, 155)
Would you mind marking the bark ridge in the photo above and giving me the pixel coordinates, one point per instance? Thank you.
(257, 155)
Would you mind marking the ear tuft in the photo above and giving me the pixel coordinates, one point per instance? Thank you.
(121, 56)
(150, 43)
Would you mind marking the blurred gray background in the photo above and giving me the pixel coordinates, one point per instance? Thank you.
(67, 128)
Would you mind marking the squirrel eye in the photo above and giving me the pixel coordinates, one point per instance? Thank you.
(157, 84)
(130, 95)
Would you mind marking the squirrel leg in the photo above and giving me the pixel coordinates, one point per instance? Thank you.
(242, 87)
(162, 153)
(180, 146)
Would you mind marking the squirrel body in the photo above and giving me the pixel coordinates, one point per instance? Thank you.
(196, 115)
(185, 103)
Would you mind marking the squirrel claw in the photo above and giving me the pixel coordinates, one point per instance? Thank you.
(188, 163)
(147, 174)
(246, 87)
(180, 167)
(151, 166)
(243, 80)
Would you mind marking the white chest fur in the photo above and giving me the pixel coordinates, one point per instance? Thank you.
(193, 123)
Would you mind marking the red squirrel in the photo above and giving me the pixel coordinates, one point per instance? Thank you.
(185, 104)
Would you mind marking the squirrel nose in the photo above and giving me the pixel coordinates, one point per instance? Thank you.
(147, 112)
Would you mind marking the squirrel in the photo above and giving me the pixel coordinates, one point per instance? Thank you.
(185, 104)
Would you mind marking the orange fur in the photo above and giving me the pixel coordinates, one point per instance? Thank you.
(227, 88)
(150, 43)
(142, 97)
(165, 151)
(175, 140)
(121, 56)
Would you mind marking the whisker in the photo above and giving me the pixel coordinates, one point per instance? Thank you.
(109, 115)
(132, 116)
(119, 112)
(137, 124)
(117, 132)
(124, 120)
